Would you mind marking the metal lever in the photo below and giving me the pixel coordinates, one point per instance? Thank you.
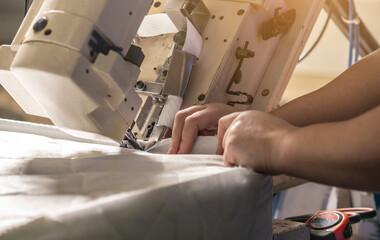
(281, 23)
(241, 53)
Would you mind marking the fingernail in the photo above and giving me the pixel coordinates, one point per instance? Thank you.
(219, 152)
(171, 151)
(180, 151)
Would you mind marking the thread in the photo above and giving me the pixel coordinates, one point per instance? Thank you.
(172, 106)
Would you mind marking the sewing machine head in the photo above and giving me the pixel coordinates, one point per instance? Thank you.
(82, 65)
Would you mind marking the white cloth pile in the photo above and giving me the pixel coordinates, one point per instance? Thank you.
(54, 186)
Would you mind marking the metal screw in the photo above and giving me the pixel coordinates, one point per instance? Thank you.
(40, 24)
(48, 32)
(140, 85)
(265, 92)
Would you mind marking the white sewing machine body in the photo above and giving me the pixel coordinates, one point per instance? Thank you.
(68, 61)
(55, 73)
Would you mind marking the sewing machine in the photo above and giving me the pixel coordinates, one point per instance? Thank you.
(82, 65)
(108, 70)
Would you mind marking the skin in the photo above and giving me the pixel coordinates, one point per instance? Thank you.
(190, 122)
(330, 136)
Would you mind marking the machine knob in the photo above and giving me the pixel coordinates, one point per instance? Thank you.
(40, 24)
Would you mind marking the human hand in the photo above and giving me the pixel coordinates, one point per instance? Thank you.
(189, 122)
(253, 139)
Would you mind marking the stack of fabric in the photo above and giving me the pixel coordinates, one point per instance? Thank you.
(54, 186)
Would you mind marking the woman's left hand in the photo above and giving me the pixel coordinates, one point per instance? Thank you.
(253, 139)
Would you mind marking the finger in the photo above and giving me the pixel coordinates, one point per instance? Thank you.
(179, 122)
(228, 159)
(193, 124)
(231, 143)
(224, 124)
(226, 149)
(229, 155)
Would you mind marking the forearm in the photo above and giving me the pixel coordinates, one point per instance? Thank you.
(352, 93)
(345, 154)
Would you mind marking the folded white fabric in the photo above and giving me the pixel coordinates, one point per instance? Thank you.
(53, 186)
(205, 145)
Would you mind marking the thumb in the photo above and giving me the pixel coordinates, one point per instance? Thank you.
(224, 124)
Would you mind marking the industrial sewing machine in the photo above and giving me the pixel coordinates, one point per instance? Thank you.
(98, 70)
(81, 63)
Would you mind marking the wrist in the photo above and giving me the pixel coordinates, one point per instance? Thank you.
(282, 149)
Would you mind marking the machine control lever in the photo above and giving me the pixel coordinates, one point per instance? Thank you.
(280, 24)
(241, 54)
(100, 44)
(244, 53)
(135, 55)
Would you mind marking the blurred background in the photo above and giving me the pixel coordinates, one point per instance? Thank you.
(330, 57)
(327, 60)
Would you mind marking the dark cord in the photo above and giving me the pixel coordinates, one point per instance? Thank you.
(26, 7)
(320, 35)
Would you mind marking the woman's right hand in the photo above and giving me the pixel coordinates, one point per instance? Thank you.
(189, 122)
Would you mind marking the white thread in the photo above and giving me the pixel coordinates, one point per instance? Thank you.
(156, 24)
(193, 43)
(172, 106)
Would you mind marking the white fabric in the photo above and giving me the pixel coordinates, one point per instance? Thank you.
(204, 145)
(54, 188)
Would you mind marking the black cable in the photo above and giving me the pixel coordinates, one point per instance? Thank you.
(26, 7)
(320, 35)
